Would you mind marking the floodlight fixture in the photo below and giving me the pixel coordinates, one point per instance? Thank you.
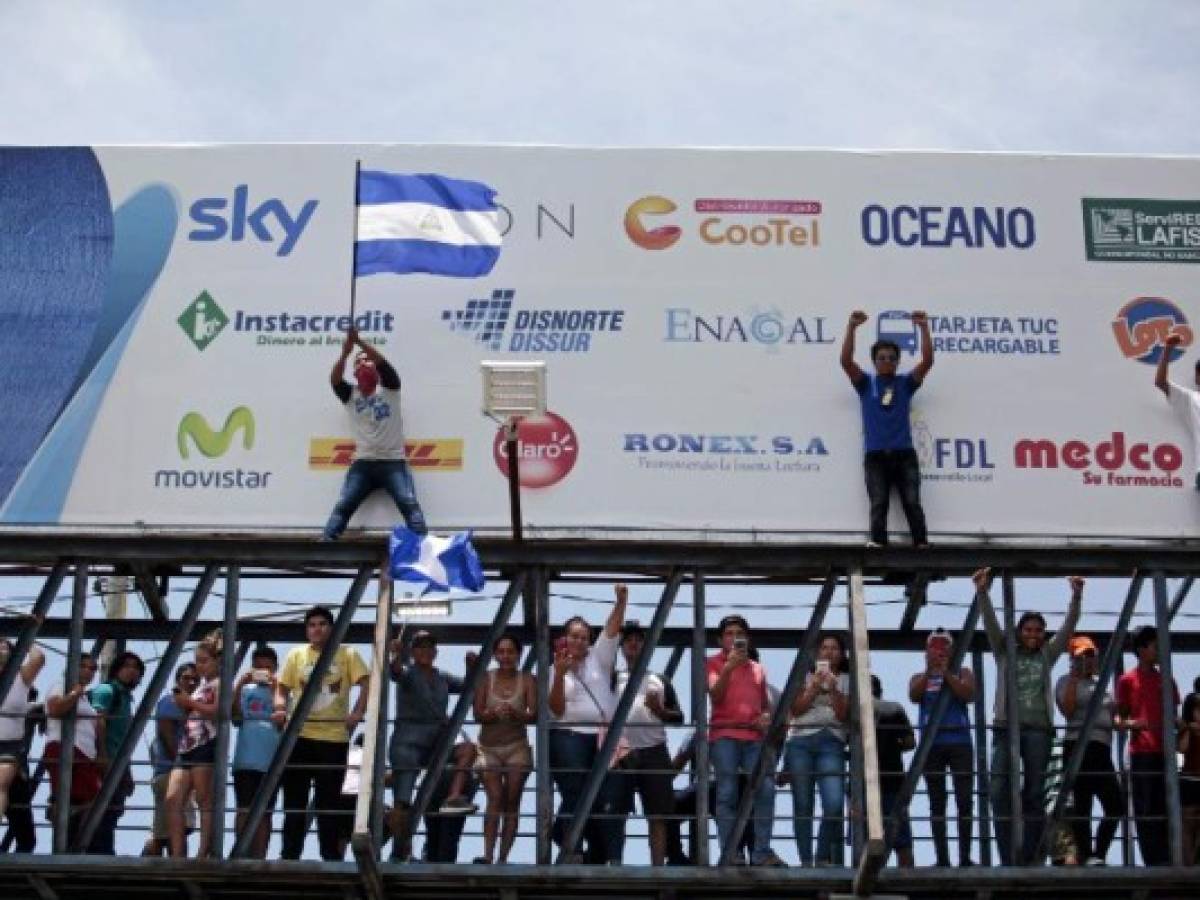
(408, 610)
(513, 390)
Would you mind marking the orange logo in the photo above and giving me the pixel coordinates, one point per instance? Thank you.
(655, 238)
(425, 455)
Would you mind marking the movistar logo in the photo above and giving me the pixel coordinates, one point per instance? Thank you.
(215, 443)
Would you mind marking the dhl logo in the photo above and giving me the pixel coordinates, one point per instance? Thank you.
(426, 455)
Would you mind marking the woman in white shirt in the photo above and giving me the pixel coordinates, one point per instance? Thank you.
(582, 703)
(89, 741)
(13, 710)
(816, 753)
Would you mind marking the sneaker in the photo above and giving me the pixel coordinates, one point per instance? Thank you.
(1095, 861)
(770, 861)
(873, 545)
(481, 861)
(458, 806)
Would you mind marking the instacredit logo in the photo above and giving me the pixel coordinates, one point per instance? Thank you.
(651, 238)
(1143, 325)
(546, 447)
(425, 454)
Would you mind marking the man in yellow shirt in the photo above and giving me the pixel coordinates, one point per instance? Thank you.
(318, 760)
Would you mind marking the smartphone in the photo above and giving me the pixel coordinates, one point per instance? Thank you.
(261, 676)
(560, 646)
(823, 666)
(740, 644)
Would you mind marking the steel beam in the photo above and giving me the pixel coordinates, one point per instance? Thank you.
(917, 592)
(379, 777)
(777, 731)
(144, 581)
(1106, 672)
(163, 672)
(1016, 823)
(1170, 717)
(301, 711)
(700, 745)
(544, 785)
(869, 869)
(984, 805)
(1180, 595)
(28, 634)
(62, 803)
(370, 786)
(673, 662)
(616, 725)
(226, 702)
(474, 677)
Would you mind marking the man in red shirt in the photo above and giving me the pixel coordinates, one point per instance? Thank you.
(1140, 709)
(741, 712)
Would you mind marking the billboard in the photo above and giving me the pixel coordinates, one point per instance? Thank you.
(171, 316)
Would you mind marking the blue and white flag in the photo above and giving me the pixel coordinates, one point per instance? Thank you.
(425, 223)
(436, 564)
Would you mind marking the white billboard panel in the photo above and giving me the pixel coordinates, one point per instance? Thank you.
(171, 316)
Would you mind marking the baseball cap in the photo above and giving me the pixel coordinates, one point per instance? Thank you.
(1081, 644)
(423, 637)
(939, 634)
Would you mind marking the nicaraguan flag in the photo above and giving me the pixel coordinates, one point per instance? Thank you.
(425, 223)
(438, 564)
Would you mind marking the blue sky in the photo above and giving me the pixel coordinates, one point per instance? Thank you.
(1062, 77)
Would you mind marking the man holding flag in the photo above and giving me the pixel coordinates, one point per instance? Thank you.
(373, 403)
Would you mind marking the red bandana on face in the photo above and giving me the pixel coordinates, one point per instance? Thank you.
(368, 379)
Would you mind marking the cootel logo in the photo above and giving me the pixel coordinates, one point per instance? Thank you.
(546, 450)
(949, 226)
(1143, 325)
(221, 217)
(659, 238)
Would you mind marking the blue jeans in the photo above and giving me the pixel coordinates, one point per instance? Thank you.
(731, 757)
(1035, 750)
(367, 475)
(571, 756)
(818, 761)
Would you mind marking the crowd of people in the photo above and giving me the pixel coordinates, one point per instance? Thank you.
(590, 671)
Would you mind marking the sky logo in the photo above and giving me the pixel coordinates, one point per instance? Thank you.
(220, 217)
(1143, 325)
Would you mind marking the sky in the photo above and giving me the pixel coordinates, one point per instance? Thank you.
(1053, 77)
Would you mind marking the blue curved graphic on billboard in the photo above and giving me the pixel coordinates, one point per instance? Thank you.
(141, 232)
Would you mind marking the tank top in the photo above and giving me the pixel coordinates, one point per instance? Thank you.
(507, 732)
(956, 725)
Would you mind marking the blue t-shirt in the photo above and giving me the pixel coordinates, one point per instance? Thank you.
(956, 724)
(164, 710)
(886, 426)
(257, 736)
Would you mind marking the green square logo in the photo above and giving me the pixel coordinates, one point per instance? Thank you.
(203, 320)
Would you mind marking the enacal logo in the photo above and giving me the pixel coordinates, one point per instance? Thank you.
(424, 454)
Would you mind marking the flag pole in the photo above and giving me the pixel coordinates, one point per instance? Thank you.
(354, 243)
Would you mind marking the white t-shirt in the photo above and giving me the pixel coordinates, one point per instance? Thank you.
(378, 428)
(820, 715)
(1186, 403)
(596, 672)
(643, 728)
(85, 725)
(13, 711)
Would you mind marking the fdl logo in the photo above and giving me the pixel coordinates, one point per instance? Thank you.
(1143, 325)
(215, 443)
(210, 214)
(651, 238)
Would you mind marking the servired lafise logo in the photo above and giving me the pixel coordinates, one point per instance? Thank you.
(546, 449)
(423, 454)
(1143, 325)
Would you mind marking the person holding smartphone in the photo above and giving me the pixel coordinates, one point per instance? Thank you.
(816, 753)
(740, 716)
(582, 701)
(257, 740)
(1097, 779)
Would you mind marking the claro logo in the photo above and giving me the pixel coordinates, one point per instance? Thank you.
(651, 238)
(215, 443)
(1102, 463)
